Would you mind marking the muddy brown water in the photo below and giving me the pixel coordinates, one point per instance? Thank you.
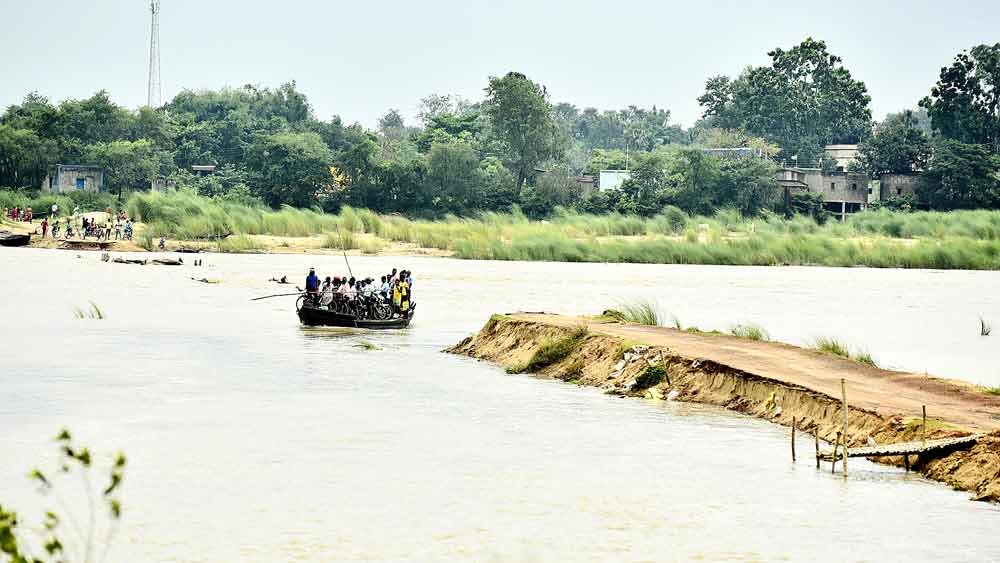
(253, 439)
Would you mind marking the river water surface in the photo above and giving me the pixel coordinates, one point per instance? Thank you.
(251, 438)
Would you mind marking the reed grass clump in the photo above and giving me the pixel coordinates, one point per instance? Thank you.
(991, 390)
(984, 327)
(642, 312)
(92, 312)
(750, 331)
(831, 346)
(838, 348)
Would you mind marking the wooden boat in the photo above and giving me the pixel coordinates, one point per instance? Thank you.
(314, 316)
(8, 238)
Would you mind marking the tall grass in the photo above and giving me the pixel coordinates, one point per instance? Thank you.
(951, 240)
(641, 312)
(750, 332)
(838, 348)
(984, 327)
(832, 346)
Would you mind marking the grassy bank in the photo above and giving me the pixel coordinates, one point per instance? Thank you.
(882, 239)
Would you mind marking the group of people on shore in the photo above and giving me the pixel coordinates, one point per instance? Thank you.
(118, 224)
(120, 229)
(395, 288)
(19, 214)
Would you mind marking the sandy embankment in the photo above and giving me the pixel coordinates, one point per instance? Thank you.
(766, 379)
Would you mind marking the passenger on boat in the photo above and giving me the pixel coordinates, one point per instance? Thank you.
(312, 282)
(386, 288)
(326, 296)
(404, 295)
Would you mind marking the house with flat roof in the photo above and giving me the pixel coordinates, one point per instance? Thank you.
(74, 178)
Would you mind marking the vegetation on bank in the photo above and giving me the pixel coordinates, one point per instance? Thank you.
(882, 238)
(838, 348)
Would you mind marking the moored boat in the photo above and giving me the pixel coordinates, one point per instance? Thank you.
(8, 238)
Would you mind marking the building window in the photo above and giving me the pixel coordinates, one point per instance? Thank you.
(854, 187)
(833, 186)
(869, 191)
(899, 191)
(81, 183)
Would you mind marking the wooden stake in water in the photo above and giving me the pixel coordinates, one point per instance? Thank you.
(793, 439)
(843, 393)
(836, 444)
(923, 427)
(817, 447)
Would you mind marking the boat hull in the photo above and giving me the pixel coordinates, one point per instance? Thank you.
(312, 316)
(11, 239)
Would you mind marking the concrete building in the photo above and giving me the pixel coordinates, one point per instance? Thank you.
(203, 169)
(612, 179)
(895, 185)
(74, 177)
(844, 155)
(162, 184)
(842, 193)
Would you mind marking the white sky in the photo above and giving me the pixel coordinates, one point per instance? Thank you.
(358, 58)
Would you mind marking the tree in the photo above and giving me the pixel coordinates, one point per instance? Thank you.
(964, 105)
(128, 165)
(290, 168)
(645, 190)
(24, 157)
(897, 147)
(521, 117)
(454, 177)
(804, 100)
(555, 188)
(961, 176)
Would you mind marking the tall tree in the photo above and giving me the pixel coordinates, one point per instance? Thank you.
(804, 100)
(521, 117)
(961, 176)
(897, 147)
(290, 168)
(964, 105)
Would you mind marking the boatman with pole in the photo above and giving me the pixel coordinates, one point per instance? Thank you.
(312, 283)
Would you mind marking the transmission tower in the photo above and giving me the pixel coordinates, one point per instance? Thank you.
(153, 100)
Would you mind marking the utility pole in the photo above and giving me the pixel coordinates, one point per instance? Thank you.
(153, 97)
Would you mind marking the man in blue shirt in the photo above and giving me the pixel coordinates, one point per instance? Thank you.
(312, 282)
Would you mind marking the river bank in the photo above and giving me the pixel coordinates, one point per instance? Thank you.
(773, 381)
(968, 240)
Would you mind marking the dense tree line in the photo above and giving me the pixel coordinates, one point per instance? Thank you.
(516, 147)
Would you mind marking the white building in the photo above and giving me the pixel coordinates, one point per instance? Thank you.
(612, 179)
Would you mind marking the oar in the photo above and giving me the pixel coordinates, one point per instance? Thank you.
(277, 295)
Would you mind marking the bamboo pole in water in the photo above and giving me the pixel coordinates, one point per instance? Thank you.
(843, 393)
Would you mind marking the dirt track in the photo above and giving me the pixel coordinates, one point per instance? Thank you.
(882, 391)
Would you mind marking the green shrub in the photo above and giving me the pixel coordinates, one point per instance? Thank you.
(652, 375)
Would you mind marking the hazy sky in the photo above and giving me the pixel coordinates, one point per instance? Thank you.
(358, 58)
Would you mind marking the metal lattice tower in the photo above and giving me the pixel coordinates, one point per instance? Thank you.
(153, 99)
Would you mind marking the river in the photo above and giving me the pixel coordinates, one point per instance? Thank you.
(251, 438)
